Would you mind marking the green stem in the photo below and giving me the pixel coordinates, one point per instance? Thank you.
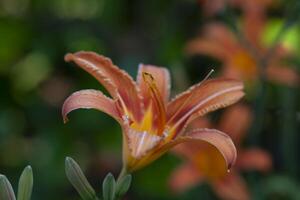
(122, 173)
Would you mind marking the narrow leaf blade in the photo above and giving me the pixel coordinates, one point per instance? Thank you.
(123, 185)
(25, 184)
(78, 180)
(6, 190)
(109, 187)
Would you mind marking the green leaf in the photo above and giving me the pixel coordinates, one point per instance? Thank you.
(109, 187)
(6, 191)
(78, 180)
(123, 185)
(25, 184)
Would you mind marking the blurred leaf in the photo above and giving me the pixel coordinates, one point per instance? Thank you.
(14, 7)
(280, 187)
(78, 9)
(30, 71)
(109, 187)
(290, 40)
(14, 37)
(6, 191)
(25, 184)
(83, 40)
(78, 180)
(123, 185)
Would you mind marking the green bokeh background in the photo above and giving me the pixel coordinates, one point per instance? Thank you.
(34, 80)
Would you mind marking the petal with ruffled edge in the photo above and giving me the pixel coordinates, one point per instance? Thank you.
(90, 99)
(117, 82)
(161, 77)
(201, 99)
(205, 157)
(218, 139)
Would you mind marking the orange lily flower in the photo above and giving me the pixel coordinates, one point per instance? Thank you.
(235, 121)
(152, 124)
(238, 61)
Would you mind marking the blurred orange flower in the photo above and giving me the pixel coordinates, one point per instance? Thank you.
(151, 123)
(239, 60)
(235, 121)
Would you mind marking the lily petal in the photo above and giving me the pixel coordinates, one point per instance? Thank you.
(90, 99)
(203, 98)
(217, 41)
(254, 19)
(161, 77)
(184, 177)
(117, 82)
(231, 187)
(255, 159)
(205, 157)
(218, 139)
(207, 47)
(236, 131)
(200, 122)
(283, 74)
(153, 100)
(221, 141)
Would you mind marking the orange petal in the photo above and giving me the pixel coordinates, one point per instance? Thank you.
(218, 139)
(255, 159)
(156, 104)
(217, 41)
(200, 122)
(207, 47)
(117, 82)
(88, 99)
(203, 98)
(283, 74)
(205, 157)
(184, 177)
(140, 142)
(161, 77)
(221, 34)
(228, 122)
(232, 187)
(254, 20)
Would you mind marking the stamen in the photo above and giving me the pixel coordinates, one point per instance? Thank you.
(208, 75)
(156, 96)
(122, 104)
